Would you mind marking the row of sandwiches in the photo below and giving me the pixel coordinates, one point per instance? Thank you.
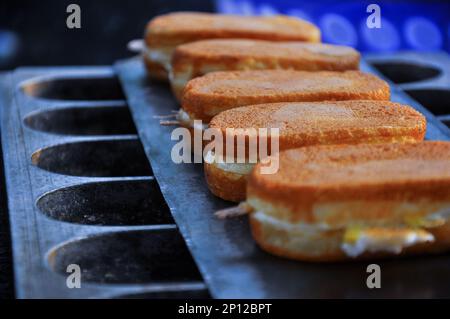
(355, 178)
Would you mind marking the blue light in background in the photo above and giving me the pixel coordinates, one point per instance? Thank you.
(299, 14)
(9, 46)
(247, 8)
(236, 7)
(337, 29)
(405, 25)
(267, 10)
(384, 39)
(422, 34)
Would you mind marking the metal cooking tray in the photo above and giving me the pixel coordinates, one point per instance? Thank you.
(229, 260)
(81, 191)
(423, 76)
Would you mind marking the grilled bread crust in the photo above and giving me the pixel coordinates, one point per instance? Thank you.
(208, 95)
(224, 184)
(194, 59)
(330, 122)
(314, 123)
(182, 27)
(165, 32)
(350, 184)
(366, 180)
(155, 70)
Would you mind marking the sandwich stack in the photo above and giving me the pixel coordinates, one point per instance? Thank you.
(355, 178)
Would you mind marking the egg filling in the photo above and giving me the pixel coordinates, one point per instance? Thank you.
(355, 240)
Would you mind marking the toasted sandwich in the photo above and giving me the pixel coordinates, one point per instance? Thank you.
(194, 59)
(208, 95)
(346, 202)
(165, 32)
(304, 124)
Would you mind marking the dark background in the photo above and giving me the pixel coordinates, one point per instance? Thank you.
(34, 32)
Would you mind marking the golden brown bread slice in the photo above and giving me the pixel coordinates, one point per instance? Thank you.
(310, 123)
(165, 32)
(198, 58)
(338, 202)
(208, 95)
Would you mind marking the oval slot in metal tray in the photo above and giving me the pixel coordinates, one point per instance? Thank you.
(98, 120)
(74, 88)
(100, 158)
(114, 203)
(405, 72)
(132, 257)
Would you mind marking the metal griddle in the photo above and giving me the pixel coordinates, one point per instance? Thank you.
(81, 191)
(229, 260)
